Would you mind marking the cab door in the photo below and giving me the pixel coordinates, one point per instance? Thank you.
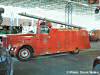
(42, 41)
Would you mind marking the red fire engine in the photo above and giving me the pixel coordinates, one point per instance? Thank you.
(47, 40)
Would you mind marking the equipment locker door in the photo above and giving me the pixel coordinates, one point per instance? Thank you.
(53, 39)
(61, 40)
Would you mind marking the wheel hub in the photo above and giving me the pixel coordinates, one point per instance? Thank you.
(24, 53)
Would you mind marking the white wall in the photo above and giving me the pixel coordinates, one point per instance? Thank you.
(89, 22)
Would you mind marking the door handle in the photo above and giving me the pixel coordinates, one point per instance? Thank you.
(37, 37)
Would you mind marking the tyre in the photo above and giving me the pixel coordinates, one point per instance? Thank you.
(25, 53)
(76, 51)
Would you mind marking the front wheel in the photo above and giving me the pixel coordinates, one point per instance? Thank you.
(24, 54)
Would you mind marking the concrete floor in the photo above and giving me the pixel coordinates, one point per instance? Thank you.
(60, 64)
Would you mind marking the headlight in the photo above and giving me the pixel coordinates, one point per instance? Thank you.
(10, 47)
(13, 48)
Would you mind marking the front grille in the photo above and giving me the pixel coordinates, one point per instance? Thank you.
(4, 42)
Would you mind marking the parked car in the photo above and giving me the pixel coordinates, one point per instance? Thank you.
(6, 66)
(96, 65)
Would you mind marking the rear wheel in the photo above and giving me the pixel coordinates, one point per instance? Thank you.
(24, 54)
(76, 51)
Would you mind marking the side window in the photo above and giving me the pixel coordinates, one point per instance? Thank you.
(44, 29)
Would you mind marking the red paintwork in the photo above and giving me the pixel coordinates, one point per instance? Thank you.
(57, 40)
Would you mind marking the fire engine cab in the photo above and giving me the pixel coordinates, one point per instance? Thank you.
(47, 40)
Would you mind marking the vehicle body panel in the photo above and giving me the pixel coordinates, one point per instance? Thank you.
(56, 41)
